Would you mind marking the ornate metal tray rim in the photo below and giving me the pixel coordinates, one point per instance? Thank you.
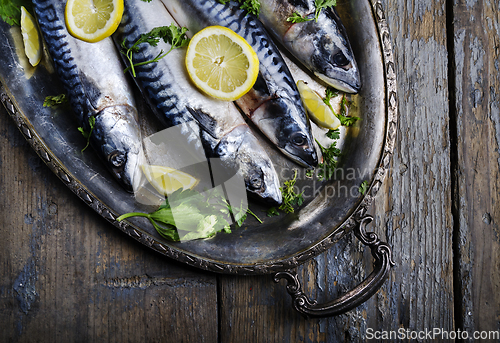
(357, 214)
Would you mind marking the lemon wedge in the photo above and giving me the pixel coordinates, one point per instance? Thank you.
(167, 180)
(31, 38)
(318, 111)
(93, 20)
(221, 63)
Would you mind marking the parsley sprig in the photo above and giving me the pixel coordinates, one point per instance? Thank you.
(296, 17)
(173, 35)
(10, 10)
(326, 169)
(344, 104)
(251, 6)
(330, 154)
(87, 134)
(363, 187)
(188, 214)
(320, 4)
(291, 199)
(55, 100)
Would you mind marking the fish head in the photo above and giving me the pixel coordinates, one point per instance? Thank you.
(119, 144)
(242, 150)
(324, 48)
(299, 147)
(285, 123)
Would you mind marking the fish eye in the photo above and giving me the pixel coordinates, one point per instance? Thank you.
(340, 60)
(255, 181)
(117, 159)
(299, 139)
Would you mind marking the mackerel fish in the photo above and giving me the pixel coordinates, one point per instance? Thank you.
(175, 100)
(93, 78)
(322, 46)
(274, 103)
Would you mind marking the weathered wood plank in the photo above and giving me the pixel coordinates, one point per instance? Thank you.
(68, 275)
(415, 214)
(261, 311)
(412, 212)
(477, 166)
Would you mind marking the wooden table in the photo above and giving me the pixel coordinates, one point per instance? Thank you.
(67, 275)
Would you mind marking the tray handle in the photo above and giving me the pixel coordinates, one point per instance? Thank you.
(361, 293)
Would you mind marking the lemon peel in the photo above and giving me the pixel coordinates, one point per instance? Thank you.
(319, 112)
(221, 63)
(93, 20)
(31, 37)
(167, 180)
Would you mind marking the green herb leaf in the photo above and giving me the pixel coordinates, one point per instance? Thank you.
(87, 134)
(272, 212)
(290, 197)
(348, 121)
(172, 35)
(344, 104)
(296, 17)
(320, 4)
(326, 169)
(333, 134)
(329, 94)
(344, 119)
(55, 100)
(251, 6)
(188, 215)
(364, 187)
(10, 10)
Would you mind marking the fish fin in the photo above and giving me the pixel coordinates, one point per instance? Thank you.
(206, 122)
(92, 91)
(260, 86)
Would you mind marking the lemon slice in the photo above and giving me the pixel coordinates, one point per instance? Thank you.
(221, 63)
(31, 38)
(167, 180)
(318, 111)
(93, 20)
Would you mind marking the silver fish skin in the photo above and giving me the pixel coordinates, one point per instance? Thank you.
(322, 46)
(175, 100)
(274, 103)
(92, 75)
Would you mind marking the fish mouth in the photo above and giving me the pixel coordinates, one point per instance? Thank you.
(342, 75)
(348, 87)
(326, 53)
(132, 175)
(120, 145)
(128, 172)
(306, 157)
(252, 162)
(279, 120)
(269, 191)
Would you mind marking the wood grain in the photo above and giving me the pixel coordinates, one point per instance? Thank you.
(413, 211)
(68, 276)
(476, 57)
